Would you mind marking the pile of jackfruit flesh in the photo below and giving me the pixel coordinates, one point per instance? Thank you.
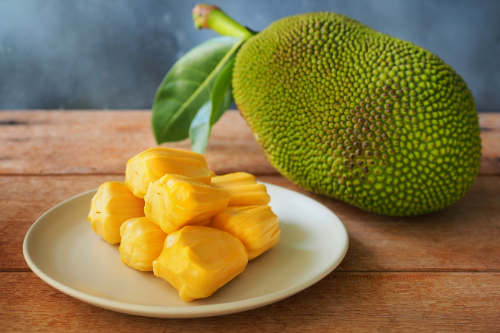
(174, 217)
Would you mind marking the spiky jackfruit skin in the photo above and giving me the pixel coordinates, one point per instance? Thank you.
(354, 114)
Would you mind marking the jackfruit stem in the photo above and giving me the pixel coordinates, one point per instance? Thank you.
(212, 17)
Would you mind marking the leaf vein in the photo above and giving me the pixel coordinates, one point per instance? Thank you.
(203, 86)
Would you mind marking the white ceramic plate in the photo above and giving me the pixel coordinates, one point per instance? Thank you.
(63, 251)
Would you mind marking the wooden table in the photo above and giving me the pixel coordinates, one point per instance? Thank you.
(439, 272)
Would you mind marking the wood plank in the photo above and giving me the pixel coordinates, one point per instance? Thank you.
(353, 302)
(463, 237)
(490, 136)
(26, 199)
(99, 142)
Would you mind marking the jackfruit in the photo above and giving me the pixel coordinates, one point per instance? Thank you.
(354, 114)
(141, 243)
(175, 201)
(154, 163)
(112, 205)
(243, 189)
(256, 227)
(199, 260)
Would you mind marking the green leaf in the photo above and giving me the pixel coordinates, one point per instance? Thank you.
(199, 132)
(188, 86)
(222, 85)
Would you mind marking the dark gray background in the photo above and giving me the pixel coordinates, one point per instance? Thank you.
(114, 53)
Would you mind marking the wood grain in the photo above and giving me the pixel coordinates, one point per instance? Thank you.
(438, 272)
(490, 135)
(27, 198)
(97, 142)
(341, 302)
(463, 237)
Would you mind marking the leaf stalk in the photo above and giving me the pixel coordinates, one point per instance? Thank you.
(212, 17)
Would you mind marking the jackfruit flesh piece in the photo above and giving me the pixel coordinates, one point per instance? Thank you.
(199, 260)
(175, 201)
(255, 226)
(243, 189)
(154, 163)
(205, 223)
(358, 115)
(141, 243)
(112, 205)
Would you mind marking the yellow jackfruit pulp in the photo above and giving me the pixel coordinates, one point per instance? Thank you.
(352, 113)
(199, 260)
(154, 163)
(256, 227)
(175, 201)
(112, 205)
(141, 243)
(243, 189)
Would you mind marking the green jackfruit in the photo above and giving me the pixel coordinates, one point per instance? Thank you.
(354, 114)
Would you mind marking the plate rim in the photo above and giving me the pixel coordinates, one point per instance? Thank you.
(206, 310)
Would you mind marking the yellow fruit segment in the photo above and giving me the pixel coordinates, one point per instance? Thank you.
(142, 242)
(205, 223)
(243, 189)
(175, 201)
(112, 205)
(199, 260)
(256, 227)
(154, 163)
